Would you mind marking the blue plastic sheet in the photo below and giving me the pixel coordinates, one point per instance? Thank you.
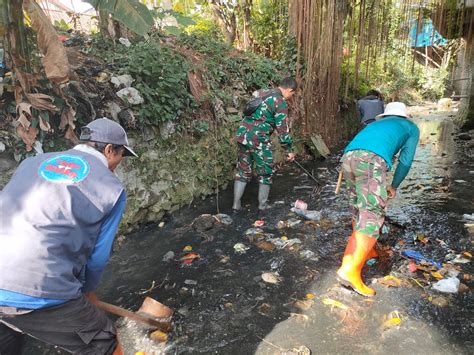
(427, 34)
(371, 262)
(413, 254)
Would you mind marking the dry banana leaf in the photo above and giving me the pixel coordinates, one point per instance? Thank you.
(71, 135)
(44, 125)
(67, 117)
(23, 110)
(55, 62)
(42, 102)
(28, 135)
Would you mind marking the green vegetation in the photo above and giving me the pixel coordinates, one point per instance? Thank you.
(196, 63)
(160, 68)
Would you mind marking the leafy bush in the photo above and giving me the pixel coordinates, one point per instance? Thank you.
(433, 83)
(160, 76)
(225, 65)
(161, 64)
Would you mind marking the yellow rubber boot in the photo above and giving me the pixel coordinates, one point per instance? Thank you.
(349, 274)
(351, 246)
(372, 253)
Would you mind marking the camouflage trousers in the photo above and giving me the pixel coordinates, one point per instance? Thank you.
(263, 159)
(366, 179)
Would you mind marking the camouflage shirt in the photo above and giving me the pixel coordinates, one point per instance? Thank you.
(271, 115)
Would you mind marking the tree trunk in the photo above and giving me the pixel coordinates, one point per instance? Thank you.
(247, 8)
(104, 23)
(226, 21)
(16, 47)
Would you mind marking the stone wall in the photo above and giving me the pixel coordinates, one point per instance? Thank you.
(170, 173)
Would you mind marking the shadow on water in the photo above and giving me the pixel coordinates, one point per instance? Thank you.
(223, 306)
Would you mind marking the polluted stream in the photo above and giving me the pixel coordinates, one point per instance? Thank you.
(236, 289)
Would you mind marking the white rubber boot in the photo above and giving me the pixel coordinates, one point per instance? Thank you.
(239, 188)
(263, 192)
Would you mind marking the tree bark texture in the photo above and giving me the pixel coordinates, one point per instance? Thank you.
(226, 20)
(318, 28)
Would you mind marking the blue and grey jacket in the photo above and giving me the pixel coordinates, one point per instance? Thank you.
(369, 107)
(51, 213)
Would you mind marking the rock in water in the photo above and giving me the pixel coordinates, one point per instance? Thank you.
(270, 277)
(203, 223)
(444, 104)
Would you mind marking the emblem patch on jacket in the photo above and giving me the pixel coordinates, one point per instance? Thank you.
(64, 169)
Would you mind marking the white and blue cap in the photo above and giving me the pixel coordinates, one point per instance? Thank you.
(103, 130)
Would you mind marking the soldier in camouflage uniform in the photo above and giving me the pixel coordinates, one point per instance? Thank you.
(365, 163)
(253, 140)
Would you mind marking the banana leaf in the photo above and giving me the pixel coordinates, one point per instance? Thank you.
(133, 14)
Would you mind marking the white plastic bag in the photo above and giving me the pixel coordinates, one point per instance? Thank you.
(450, 285)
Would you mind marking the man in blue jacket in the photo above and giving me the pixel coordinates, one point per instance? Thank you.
(59, 214)
(365, 163)
(370, 106)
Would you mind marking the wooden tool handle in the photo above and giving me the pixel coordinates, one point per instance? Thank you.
(339, 182)
(122, 312)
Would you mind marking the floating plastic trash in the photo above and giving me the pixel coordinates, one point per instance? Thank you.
(293, 222)
(308, 254)
(459, 259)
(168, 256)
(254, 231)
(223, 218)
(450, 285)
(159, 336)
(300, 204)
(468, 217)
(392, 320)
(240, 248)
(390, 281)
(412, 266)
(284, 243)
(371, 262)
(189, 258)
(413, 254)
(334, 303)
(271, 277)
(311, 215)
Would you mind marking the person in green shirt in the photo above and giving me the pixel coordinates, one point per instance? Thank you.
(253, 140)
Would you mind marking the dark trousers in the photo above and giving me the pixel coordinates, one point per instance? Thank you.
(11, 342)
(76, 326)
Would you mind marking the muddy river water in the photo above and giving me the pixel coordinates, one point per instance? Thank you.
(223, 306)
